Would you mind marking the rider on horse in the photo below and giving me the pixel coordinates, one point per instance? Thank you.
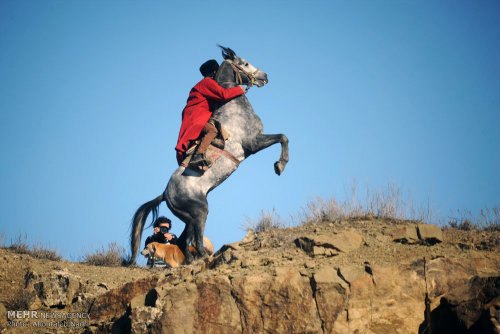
(197, 113)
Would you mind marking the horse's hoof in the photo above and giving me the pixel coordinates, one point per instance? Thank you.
(189, 259)
(278, 167)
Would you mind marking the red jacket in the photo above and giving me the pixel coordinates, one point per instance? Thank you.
(199, 109)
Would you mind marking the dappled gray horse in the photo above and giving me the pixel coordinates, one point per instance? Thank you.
(186, 192)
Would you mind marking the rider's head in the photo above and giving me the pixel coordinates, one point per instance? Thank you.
(209, 68)
(162, 223)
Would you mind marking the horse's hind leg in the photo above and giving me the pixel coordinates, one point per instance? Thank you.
(262, 141)
(184, 241)
(193, 212)
(199, 227)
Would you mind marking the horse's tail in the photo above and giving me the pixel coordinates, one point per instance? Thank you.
(138, 224)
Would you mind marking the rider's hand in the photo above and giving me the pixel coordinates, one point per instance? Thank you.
(243, 89)
(168, 236)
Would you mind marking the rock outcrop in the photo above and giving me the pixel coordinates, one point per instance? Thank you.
(328, 279)
(348, 277)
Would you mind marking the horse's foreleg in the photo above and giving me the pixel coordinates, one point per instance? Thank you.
(262, 141)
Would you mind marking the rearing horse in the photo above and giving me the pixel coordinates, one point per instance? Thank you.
(186, 192)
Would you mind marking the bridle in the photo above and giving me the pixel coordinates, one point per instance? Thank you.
(238, 70)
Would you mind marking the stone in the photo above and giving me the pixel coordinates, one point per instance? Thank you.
(471, 307)
(429, 234)
(331, 294)
(351, 273)
(248, 239)
(142, 318)
(344, 241)
(114, 303)
(205, 306)
(56, 289)
(288, 289)
(389, 301)
(3, 317)
(347, 241)
(405, 234)
(309, 264)
(278, 303)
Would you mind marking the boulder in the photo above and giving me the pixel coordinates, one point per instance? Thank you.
(388, 301)
(470, 308)
(429, 234)
(278, 303)
(329, 244)
(114, 304)
(350, 273)
(406, 234)
(205, 306)
(3, 317)
(330, 293)
(56, 289)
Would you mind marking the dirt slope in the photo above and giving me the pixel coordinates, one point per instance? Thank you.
(325, 278)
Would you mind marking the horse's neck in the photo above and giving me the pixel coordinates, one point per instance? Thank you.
(236, 115)
(225, 76)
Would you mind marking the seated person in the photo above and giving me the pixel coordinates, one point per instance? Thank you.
(162, 235)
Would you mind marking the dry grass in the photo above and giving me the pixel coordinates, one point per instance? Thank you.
(39, 251)
(384, 203)
(268, 220)
(388, 202)
(20, 300)
(487, 220)
(114, 256)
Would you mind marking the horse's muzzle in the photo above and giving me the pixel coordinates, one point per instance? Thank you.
(261, 79)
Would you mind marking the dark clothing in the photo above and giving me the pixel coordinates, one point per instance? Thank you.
(209, 67)
(161, 239)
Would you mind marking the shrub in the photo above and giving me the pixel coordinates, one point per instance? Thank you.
(386, 203)
(38, 251)
(114, 256)
(487, 220)
(267, 221)
(20, 300)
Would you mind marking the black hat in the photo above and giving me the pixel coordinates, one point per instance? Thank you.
(162, 220)
(209, 67)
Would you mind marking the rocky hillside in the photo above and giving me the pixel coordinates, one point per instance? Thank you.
(359, 276)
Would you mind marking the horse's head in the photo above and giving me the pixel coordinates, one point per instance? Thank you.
(250, 75)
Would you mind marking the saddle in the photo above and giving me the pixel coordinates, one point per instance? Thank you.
(214, 151)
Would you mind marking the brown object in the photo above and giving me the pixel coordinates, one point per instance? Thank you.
(172, 254)
(207, 135)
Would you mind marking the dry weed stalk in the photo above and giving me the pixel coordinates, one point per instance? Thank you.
(268, 220)
(114, 256)
(384, 203)
(38, 250)
(487, 220)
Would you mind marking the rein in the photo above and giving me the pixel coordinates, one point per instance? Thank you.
(238, 70)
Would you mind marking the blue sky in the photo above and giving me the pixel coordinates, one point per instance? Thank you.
(91, 94)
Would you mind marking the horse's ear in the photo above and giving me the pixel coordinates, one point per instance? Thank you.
(231, 53)
(227, 53)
